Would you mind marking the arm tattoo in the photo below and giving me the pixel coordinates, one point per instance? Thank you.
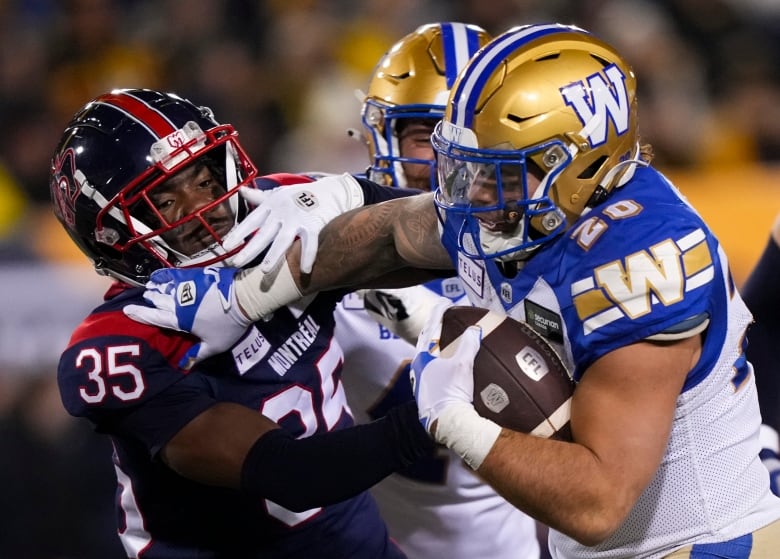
(369, 242)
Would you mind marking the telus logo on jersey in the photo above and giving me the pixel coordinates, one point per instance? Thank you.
(472, 273)
(630, 287)
(249, 351)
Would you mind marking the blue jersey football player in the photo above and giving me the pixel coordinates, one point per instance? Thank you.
(550, 212)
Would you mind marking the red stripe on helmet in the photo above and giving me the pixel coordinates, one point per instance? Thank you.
(140, 111)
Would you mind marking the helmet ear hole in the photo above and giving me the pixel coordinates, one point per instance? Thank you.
(591, 170)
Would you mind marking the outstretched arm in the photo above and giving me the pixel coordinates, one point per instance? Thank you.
(392, 244)
(370, 242)
(229, 445)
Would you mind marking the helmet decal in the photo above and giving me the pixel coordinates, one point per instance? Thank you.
(598, 102)
(64, 189)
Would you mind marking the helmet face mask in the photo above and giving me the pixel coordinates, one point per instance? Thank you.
(385, 126)
(116, 168)
(498, 192)
(411, 83)
(558, 105)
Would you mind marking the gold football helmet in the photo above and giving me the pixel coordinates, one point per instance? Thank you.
(412, 81)
(548, 102)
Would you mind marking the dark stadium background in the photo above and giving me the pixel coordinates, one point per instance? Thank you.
(285, 72)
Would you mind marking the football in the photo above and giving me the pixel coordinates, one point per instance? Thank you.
(520, 381)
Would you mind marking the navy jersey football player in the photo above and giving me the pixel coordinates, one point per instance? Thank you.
(252, 452)
(763, 299)
(548, 209)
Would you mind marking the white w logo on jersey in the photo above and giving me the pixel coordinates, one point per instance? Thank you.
(598, 102)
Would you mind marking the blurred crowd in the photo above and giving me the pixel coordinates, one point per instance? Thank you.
(285, 73)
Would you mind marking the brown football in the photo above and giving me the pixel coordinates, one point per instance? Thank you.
(520, 381)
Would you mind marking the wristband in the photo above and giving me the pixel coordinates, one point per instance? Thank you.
(258, 294)
(466, 433)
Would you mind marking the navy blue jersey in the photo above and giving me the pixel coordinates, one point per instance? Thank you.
(123, 377)
(763, 299)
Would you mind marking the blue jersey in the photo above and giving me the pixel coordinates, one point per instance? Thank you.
(123, 377)
(640, 264)
(644, 265)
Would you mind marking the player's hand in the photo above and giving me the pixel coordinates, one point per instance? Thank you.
(402, 311)
(196, 300)
(289, 212)
(442, 379)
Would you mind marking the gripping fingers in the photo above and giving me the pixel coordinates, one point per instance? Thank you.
(282, 240)
(256, 245)
(161, 300)
(431, 332)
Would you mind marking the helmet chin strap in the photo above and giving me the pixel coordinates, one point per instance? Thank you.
(632, 162)
(493, 242)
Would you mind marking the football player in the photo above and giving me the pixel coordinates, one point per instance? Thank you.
(250, 453)
(761, 296)
(549, 210)
(438, 507)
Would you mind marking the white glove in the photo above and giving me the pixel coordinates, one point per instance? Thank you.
(289, 212)
(440, 380)
(196, 300)
(402, 311)
(443, 384)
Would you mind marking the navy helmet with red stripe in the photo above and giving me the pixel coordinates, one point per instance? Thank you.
(115, 151)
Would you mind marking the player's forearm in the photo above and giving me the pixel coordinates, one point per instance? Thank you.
(561, 484)
(355, 249)
(369, 242)
(323, 469)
